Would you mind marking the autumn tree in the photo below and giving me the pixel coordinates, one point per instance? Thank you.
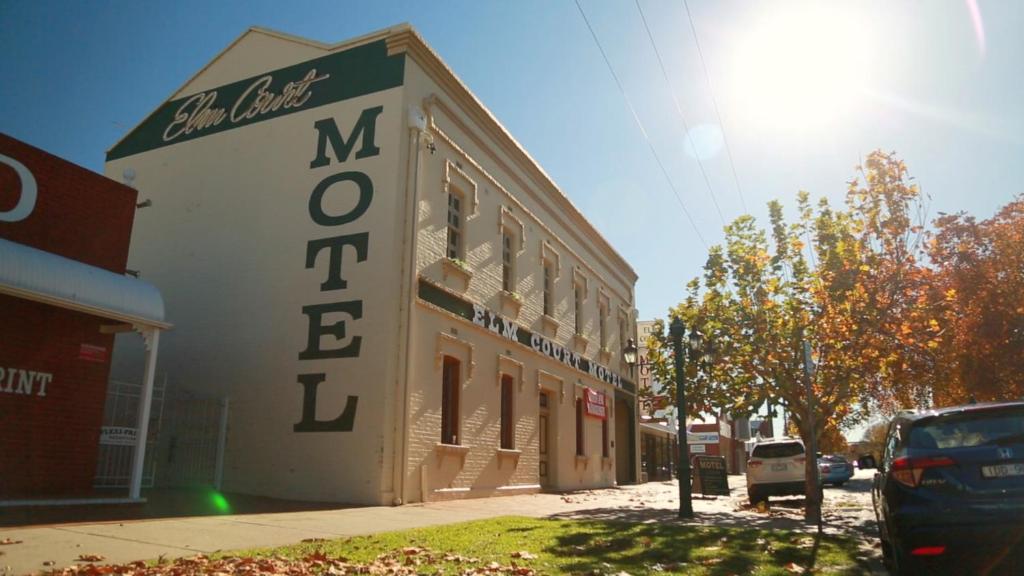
(846, 280)
(979, 287)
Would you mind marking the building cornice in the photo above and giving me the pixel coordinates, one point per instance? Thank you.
(407, 41)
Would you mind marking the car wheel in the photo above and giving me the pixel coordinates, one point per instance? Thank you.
(756, 497)
(840, 484)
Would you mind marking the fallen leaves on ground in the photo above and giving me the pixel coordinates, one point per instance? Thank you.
(403, 562)
(795, 568)
(90, 558)
(9, 541)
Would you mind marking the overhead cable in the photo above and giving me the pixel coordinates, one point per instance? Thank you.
(714, 102)
(640, 125)
(682, 118)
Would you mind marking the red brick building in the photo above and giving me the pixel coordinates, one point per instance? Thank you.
(64, 236)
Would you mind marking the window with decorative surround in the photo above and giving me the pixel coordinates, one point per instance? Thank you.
(549, 288)
(508, 424)
(508, 271)
(451, 385)
(580, 449)
(455, 225)
(578, 297)
(602, 322)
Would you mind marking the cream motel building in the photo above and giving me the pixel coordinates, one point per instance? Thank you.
(398, 301)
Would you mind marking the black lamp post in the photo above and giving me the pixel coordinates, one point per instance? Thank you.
(677, 330)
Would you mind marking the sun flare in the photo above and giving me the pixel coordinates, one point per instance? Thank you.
(801, 67)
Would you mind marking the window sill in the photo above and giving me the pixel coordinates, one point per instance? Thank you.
(607, 462)
(511, 303)
(507, 454)
(584, 460)
(580, 343)
(452, 270)
(604, 356)
(549, 326)
(459, 450)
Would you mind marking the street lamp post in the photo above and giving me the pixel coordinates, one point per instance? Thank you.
(676, 330)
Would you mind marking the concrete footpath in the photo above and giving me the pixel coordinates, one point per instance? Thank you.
(43, 548)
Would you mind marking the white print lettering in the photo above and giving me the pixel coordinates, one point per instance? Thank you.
(27, 198)
(21, 381)
(507, 329)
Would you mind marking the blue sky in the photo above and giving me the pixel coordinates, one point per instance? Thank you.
(804, 91)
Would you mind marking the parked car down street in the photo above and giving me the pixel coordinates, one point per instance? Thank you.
(834, 469)
(776, 468)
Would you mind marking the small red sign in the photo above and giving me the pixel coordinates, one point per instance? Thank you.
(594, 404)
(91, 353)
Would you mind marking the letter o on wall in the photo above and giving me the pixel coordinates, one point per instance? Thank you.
(316, 199)
(27, 200)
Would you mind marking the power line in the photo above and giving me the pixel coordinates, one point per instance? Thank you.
(640, 125)
(679, 110)
(714, 101)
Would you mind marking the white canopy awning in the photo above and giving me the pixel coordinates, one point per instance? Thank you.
(34, 274)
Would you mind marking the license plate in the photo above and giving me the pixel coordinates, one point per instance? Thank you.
(778, 467)
(1002, 470)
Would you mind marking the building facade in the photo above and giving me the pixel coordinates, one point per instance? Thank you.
(398, 301)
(64, 234)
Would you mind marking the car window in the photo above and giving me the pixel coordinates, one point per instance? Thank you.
(973, 428)
(779, 450)
(834, 458)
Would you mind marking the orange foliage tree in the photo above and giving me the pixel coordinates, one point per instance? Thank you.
(979, 291)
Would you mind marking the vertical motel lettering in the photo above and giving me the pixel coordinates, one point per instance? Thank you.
(332, 246)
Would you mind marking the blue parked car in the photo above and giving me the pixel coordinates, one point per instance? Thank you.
(834, 469)
(949, 494)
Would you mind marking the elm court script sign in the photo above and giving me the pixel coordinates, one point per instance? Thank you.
(339, 76)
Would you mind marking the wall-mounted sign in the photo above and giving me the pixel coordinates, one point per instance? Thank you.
(91, 353)
(338, 76)
(505, 328)
(698, 448)
(24, 381)
(702, 437)
(593, 403)
(118, 436)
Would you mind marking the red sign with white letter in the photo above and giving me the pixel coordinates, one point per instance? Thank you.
(594, 404)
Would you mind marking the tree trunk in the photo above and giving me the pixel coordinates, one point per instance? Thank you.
(812, 493)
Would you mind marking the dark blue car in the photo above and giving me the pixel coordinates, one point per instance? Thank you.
(949, 493)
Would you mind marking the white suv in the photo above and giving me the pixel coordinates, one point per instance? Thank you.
(776, 468)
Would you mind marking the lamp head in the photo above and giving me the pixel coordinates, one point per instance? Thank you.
(696, 340)
(677, 328)
(629, 352)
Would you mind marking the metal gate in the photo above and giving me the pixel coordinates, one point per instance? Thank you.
(192, 448)
(118, 434)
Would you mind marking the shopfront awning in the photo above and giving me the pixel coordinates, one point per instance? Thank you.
(40, 276)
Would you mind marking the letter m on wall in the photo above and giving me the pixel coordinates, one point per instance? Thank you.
(329, 134)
